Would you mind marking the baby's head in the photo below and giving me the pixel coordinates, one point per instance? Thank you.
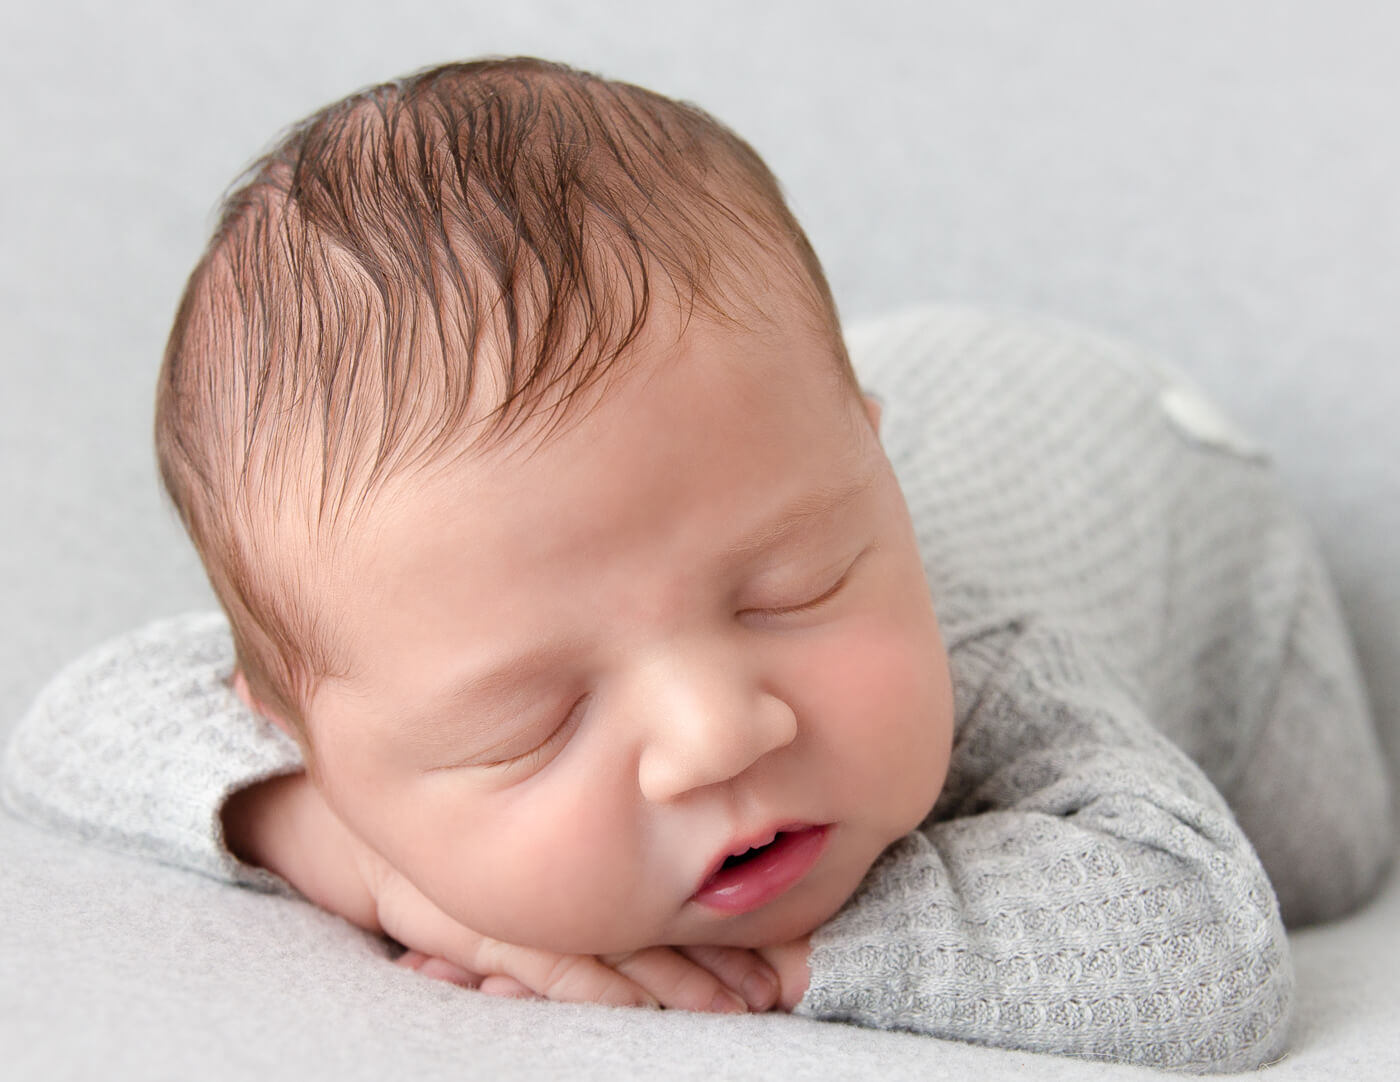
(509, 412)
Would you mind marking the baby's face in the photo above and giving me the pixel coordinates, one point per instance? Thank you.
(584, 674)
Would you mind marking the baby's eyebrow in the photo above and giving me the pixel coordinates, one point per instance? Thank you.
(815, 503)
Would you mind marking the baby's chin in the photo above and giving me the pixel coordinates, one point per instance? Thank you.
(753, 931)
(797, 923)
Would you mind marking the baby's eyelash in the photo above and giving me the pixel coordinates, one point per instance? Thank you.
(530, 761)
(815, 603)
(820, 599)
(809, 605)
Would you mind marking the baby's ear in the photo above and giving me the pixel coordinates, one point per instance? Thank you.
(873, 410)
(245, 694)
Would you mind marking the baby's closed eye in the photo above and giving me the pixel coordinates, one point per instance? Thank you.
(534, 757)
(807, 597)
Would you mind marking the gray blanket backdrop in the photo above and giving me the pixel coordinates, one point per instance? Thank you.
(1217, 180)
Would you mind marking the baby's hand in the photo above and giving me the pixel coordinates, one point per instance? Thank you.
(284, 825)
(724, 979)
(733, 979)
(791, 962)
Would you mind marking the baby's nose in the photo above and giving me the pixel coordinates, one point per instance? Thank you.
(706, 724)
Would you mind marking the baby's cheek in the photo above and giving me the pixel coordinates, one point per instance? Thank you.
(559, 870)
(895, 717)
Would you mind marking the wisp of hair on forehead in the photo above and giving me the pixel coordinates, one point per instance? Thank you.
(421, 268)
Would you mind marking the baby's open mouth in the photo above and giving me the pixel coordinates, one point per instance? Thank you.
(755, 876)
(748, 854)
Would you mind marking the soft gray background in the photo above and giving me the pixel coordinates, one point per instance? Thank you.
(1216, 180)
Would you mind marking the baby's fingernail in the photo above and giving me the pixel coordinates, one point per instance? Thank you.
(760, 991)
(628, 997)
(726, 1002)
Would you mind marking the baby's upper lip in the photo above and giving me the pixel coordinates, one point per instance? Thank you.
(743, 843)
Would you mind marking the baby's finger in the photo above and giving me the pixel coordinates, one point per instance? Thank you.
(569, 978)
(505, 988)
(741, 970)
(438, 969)
(677, 982)
(408, 916)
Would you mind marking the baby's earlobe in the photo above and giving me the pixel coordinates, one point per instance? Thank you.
(239, 683)
(240, 688)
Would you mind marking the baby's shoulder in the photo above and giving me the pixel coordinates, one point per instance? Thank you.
(1049, 467)
(954, 339)
(144, 695)
(1045, 390)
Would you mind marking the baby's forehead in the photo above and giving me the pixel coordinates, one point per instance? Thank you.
(671, 335)
(680, 461)
(504, 434)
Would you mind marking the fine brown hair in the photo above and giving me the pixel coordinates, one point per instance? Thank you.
(423, 266)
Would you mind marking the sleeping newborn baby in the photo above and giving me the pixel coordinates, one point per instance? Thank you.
(589, 630)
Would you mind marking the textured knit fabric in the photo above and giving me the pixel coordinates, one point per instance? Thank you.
(138, 744)
(1141, 638)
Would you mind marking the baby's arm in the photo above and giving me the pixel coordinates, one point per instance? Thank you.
(137, 745)
(1084, 890)
(142, 746)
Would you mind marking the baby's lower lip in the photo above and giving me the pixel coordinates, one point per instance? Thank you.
(758, 880)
